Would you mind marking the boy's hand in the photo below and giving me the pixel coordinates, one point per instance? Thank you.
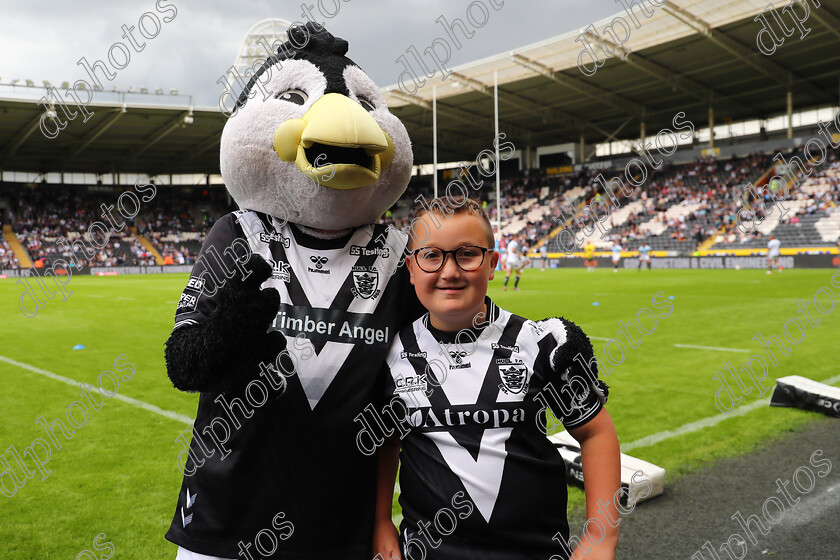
(386, 541)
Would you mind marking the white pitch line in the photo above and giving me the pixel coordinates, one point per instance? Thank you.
(126, 298)
(813, 507)
(704, 423)
(716, 348)
(695, 426)
(93, 295)
(129, 400)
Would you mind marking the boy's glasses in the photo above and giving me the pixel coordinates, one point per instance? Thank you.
(468, 258)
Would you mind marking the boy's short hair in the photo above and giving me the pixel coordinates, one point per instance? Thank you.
(446, 207)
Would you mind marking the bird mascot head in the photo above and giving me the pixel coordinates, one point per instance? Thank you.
(311, 140)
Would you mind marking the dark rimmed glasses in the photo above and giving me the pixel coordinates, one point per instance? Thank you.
(467, 257)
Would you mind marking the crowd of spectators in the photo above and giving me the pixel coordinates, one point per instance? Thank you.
(7, 257)
(710, 191)
(176, 220)
(42, 216)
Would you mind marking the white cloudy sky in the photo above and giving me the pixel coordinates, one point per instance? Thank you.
(44, 40)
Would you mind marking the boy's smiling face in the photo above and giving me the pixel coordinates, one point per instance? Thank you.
(453, 296)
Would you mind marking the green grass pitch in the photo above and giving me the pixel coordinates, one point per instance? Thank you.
(118, 474)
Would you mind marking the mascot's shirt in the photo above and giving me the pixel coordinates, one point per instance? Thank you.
(294, 464)
(474, 444)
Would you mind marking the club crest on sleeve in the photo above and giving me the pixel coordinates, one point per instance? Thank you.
(513, 379)
(365, 282)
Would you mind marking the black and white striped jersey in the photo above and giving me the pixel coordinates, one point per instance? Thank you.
(476, 433)
(343, 301)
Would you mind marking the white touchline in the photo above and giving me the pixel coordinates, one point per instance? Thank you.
(695, 426)
(704, 422)
(813, 507)
(129, 400)
(716, 348)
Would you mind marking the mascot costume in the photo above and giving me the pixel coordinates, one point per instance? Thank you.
(286, 320)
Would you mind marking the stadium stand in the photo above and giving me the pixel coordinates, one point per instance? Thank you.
(7, 257)
(813, 219)
(169, 229)
(680, 207)
(677, 209)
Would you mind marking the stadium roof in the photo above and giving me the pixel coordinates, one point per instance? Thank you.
(687, 56)
(117, 138)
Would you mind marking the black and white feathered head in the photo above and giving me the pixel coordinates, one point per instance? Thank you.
(312, 141)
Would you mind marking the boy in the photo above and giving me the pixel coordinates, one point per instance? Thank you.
(479, 478)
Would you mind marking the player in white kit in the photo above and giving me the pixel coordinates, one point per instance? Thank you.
(644, 255)
(773, 253)
(515, 260)
(616, 255)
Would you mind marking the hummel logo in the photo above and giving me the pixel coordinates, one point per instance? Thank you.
(319, 262)
(458, 356)
(185, 520)
(190, 499)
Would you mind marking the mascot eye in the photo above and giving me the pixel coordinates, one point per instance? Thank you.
(296, 96)
(366, 104)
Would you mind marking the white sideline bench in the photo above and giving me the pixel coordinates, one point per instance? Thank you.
(569, 449)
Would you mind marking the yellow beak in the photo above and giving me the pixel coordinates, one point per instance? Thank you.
(336, 143)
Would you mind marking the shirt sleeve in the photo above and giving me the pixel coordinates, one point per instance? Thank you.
(576, 393)
(224, 248)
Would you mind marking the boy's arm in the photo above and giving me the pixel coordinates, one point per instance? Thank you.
(583, 396)
(385, 534)
(602, 479)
